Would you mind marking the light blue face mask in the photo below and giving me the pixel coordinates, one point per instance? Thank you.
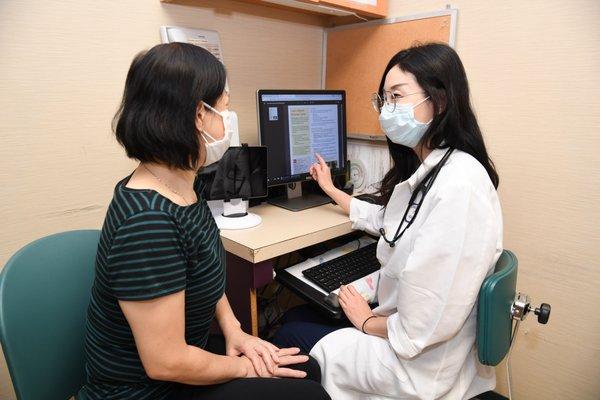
(401, 126)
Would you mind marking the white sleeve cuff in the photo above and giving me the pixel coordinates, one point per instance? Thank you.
(398, 338)
(355, 212)
(366, 216)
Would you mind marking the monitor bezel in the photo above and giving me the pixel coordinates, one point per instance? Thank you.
(306, 176)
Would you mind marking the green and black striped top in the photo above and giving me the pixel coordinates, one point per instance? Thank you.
(149, 247)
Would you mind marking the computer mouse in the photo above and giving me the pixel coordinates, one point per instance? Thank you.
(332, 300)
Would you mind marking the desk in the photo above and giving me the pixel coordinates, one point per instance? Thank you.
(251, 253)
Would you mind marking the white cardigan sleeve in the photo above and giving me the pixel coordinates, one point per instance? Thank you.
(366, 216)
(452, 254)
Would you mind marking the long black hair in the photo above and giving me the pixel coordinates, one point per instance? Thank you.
(439, 71)
(156, 121)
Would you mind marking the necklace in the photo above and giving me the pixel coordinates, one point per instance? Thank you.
(187, 203)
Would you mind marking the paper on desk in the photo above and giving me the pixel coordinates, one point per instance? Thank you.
(366, 286)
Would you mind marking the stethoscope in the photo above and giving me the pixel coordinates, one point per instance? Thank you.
(422, 188)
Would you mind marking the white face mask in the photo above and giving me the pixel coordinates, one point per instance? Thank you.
(401, 126)
(216, 148)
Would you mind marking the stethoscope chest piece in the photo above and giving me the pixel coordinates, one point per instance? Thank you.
(390, 242)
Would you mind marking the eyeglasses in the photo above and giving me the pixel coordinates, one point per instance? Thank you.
(388, 101)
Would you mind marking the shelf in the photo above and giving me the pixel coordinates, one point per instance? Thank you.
(333, 12)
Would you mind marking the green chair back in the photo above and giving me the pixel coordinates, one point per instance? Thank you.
(494, 322)
(44, 295)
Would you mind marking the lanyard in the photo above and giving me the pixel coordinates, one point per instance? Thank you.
(421, 189)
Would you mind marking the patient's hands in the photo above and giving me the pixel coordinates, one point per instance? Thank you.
(286, 357)
(266, 359)
(263, 354)
(354, 305)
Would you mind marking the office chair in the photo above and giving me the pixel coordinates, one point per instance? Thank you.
(499, 312)
(44, 295)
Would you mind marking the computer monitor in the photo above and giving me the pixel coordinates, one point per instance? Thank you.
(241, 174)
(294, 125)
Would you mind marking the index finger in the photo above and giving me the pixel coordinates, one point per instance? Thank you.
(273, 350)
(352, 290)
(259, 365)
(267, 359)
(320, 159)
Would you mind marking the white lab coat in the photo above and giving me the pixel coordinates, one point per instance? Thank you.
(428, 288)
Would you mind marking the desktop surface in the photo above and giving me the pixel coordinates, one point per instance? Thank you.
(283, 231)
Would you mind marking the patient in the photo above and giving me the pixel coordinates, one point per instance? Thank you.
(160, 267)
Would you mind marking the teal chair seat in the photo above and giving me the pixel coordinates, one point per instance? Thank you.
(44, 295)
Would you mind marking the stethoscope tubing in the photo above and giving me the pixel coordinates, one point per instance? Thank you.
(423, 187)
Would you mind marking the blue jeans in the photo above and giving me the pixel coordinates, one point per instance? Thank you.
(303, 327)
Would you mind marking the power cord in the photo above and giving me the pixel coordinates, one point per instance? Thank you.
(508, 366)
(359, 17)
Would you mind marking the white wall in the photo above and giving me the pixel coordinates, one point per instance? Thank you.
(534, 71)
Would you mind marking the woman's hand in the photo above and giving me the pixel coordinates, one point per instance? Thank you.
(286, 357)
(263, 355)
(354, 305)
(321, 174)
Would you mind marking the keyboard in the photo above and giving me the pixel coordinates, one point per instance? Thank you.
(344, 269)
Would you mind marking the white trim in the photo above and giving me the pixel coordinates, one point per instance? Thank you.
(323, 59)
(440, 13)
(453, 26)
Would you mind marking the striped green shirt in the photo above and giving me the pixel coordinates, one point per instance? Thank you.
(149, 247)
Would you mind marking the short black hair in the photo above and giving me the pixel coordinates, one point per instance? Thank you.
(164, 87)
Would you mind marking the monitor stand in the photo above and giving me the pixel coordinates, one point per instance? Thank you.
(296, 201)
(235, 215)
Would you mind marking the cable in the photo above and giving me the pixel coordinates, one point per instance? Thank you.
(359, 17)
(508, 368)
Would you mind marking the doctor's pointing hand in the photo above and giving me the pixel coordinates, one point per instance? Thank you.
(321, 173)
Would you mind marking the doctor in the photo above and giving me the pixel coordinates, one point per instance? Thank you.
(440, 227)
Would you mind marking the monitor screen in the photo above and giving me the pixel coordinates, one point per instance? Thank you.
(296, 124)
(240, 174)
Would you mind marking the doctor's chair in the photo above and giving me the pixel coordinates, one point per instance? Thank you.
(500, 310)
